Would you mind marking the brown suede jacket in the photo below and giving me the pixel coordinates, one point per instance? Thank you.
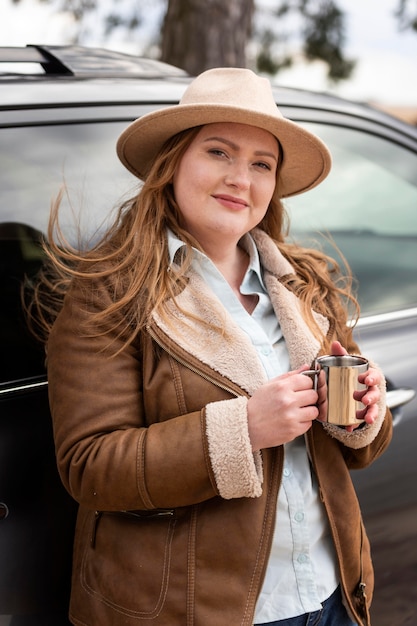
(176, 513)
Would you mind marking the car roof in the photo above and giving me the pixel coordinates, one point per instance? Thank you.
(77, 75)
(80, 61)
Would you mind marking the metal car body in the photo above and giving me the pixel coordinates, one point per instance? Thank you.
(62, 125)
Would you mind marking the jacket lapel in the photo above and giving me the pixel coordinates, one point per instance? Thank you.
(227, 349)
(302, 345)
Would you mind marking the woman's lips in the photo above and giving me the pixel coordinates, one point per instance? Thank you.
(230, 201)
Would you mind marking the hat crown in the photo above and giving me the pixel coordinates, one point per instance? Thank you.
(228, 95)
(234, 87)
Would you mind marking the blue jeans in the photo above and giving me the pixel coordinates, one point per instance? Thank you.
(333, 613)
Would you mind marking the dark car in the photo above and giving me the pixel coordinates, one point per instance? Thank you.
(59, 123)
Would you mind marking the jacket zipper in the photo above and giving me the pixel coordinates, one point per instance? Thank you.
(199, 372)
(360, 592)
(182, 361)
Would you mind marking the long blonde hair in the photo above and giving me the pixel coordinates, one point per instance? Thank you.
(132, 257)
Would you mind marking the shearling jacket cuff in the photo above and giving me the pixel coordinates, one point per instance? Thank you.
(364, 435)
(237, 470)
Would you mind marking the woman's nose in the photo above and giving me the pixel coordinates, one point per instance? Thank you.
(238, 175)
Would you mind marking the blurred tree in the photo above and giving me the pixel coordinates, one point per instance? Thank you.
(197, 34)
(406, 18)
(321, 25)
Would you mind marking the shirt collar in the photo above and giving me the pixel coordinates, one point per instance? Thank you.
(248, 244)
(174, 244)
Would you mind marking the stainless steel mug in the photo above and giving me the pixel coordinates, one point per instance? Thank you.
(342, 380)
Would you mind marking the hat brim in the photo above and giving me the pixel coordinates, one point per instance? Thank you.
(306, 159)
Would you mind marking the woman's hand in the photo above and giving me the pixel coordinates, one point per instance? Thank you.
(282, 409)
(369, 397)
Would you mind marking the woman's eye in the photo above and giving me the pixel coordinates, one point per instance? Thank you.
(264, 166)
(217, 152)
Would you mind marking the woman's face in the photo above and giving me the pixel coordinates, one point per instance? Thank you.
(225, 181)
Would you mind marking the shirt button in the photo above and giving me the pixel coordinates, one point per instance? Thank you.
(287, 472)
(266, 350)
(303, 558)
(299, 516)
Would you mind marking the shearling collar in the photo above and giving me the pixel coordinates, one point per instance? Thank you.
(231, 352)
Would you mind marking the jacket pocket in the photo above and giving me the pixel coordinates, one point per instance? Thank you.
(126, 563)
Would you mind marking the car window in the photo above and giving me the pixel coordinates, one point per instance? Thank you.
(368, 208)
(34, 161)
(20, 256)
(367, 204)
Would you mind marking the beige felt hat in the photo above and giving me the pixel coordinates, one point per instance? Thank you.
(228, 95)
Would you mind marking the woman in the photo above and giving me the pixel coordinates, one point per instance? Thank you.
(211, 491)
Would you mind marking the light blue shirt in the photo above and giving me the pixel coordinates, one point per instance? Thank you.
(302, 570)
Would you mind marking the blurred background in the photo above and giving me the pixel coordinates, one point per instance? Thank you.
(362, 50)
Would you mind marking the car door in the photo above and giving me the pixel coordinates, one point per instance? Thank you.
(368, 208)
(37, 516)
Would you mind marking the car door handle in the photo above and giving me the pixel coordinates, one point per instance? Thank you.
(399, 397)
(4, 510)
